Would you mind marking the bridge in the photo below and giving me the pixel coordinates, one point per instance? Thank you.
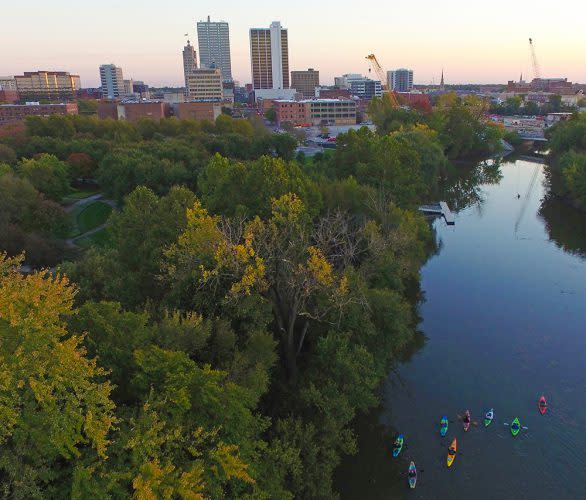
(440, 208)
(528, 136)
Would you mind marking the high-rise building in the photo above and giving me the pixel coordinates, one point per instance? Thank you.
(205, 84)
(269, 57)
(400, 80)
(305, 82)
(47, 85)
(7, 83)
(365, 88)
(112, 81)
(189, 60)
(213, 39)
(128, 87)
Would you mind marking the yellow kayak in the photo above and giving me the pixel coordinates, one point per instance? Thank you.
(452, 452)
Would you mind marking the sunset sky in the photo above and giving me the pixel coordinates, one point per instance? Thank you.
(473, 42)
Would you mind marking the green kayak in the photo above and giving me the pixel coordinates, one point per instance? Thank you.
(515, 426)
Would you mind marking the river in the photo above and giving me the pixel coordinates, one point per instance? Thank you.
(503, 320)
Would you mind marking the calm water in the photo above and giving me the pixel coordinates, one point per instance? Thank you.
(504, 320)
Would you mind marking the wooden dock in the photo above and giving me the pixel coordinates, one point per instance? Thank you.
(442, 209)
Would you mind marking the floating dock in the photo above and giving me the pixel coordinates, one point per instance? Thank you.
(442, 209)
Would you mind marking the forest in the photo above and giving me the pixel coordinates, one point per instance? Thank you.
(239, 306)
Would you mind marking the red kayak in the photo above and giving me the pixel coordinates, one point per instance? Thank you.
(466, 420)
(542, 405)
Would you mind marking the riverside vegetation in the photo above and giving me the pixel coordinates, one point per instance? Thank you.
(242, 307)
(567, 142)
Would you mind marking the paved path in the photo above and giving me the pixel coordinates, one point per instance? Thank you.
(71, 242)
(84, 201)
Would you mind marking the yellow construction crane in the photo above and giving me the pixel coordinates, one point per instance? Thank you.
(378, 69)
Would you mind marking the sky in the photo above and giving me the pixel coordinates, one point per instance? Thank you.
(473, 42)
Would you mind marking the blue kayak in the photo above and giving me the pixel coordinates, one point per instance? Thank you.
(398, 446)
(444, 426)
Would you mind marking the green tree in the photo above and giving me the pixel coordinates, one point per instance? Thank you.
(46, 173)
(7, 154)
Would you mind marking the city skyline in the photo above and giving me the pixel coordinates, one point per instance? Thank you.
(148, 49)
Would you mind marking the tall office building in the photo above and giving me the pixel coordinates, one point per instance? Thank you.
(47, 85)
(269, 57)
(305, 82)
(400, 80)
(189, 60)
(213, 39)
(112, 81)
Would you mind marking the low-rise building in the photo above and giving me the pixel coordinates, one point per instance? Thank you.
(16, 112)
(203, 110)
(316, 111)
(133, 111)
(332, 93)
(47, 85)
(8, 96)
(294, 112)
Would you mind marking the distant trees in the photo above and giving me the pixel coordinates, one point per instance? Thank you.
(29, 222)
(567, 141)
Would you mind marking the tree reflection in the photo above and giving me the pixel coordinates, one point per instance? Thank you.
(463, 189)
(566, 225)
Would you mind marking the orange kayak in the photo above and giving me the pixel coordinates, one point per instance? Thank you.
(452, 452)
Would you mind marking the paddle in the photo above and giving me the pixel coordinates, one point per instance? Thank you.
(522, 427)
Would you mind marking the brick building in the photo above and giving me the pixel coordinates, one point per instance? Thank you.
(316, 112)
(10, 113)
(197, 110)
(133, 111)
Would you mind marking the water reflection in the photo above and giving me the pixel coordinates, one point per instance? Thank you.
(464, 188)
(565, 225)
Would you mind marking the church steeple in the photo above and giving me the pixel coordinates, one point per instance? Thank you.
(442, 81)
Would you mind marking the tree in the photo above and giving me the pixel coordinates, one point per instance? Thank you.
(274, 257)
(127, 271)
(271, 115)
(247, 188)
(53, 399)
(81, 165)
(46, 173)
(555, 103)
(7, 154)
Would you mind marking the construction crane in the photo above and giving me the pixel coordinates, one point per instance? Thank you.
(536, 70)
(378, 69)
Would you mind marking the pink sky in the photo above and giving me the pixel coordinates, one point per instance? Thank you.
(487, 43)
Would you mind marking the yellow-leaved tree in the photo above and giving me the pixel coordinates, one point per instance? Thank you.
(54, 401)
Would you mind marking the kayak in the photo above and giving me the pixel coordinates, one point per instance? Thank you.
(515, 426)
(452, 452)
(398, 446)
(444, 426)
(488, 417)
(412, 475)
(542, 405)
(466, 423)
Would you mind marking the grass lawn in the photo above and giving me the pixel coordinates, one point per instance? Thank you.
(87, 217)
(93, 215)
(99, 238)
